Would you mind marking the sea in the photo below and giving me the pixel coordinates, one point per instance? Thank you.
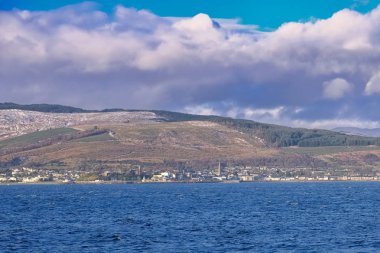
(245, 217)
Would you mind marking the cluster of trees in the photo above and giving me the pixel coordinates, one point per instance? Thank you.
(288, 161)
(285, 137)
(279, 136)
(42, 108)
(51, 108)
(14, 161)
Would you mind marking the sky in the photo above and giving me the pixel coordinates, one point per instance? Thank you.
(299, 63)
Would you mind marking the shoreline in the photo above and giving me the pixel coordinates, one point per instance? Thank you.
(208, 182)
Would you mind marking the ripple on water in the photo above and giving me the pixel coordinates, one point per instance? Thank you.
(261, 217)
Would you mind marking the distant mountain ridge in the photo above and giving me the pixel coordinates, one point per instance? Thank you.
(272, 135)
(52, 108)
(369, 132)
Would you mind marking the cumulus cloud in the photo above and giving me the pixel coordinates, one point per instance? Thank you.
(336, 88)
(80, 56)
(373, 85)
(201, 110)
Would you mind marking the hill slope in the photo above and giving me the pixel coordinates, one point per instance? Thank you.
(279, 136)
(273, 135)
(93, 140)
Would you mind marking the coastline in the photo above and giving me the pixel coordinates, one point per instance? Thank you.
(174, 182)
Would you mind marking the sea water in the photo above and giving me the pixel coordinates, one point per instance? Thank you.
(246, 217)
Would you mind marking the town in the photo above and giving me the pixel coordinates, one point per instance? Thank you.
(219, 174)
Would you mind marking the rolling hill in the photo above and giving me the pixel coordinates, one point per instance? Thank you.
(274, 135)
(60, 137)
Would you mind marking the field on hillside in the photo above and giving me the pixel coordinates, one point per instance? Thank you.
(34, 137)
(115, 145)
(151, 143)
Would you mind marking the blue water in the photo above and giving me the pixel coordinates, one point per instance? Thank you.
(252, 217)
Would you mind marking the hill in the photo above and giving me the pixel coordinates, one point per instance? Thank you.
(273, 135)
(118, 139)
(279, 136)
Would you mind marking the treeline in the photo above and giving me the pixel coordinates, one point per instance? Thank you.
(42, 108)
(279, 136)
(51, 108)
(52, 140)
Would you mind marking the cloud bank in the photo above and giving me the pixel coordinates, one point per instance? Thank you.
(322, 73)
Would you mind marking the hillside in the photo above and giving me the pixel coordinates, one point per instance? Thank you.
(18, 122)
(153, 143)
(15, 121)
(94, 140)
(279, 136)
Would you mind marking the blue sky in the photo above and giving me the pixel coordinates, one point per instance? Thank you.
(267, 14)
(299, 63)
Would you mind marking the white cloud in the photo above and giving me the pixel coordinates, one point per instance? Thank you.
(281, 115)
(336, 88)
(199, 23)
(373, 85)
(136, 59)
(334, 123)
(201, 110)
(273, 113)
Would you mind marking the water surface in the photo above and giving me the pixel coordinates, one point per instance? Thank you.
(251, 217)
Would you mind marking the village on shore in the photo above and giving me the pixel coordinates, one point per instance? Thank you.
(219, 174)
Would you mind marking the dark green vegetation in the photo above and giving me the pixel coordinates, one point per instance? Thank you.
(98, 137)
(41, 139)
(284, 136)
(42, 108)
(35, 137)
(279, 136)
(51, 108)
(273, 135)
